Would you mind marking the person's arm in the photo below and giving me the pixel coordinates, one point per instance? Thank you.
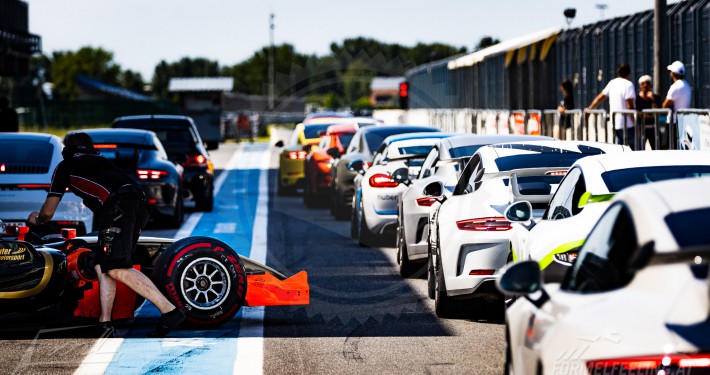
(630, 104)
(654, 100)
(597, 100)
(668, 103)
(45, 213)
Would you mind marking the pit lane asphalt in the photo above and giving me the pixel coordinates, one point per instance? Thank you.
(363, 317)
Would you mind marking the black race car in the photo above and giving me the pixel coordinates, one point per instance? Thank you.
(141, 156)
(54, 276)
(183, 144)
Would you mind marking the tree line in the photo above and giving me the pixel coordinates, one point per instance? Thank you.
(341, 77)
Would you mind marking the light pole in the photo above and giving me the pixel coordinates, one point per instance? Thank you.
(660, 45)
(271, 62)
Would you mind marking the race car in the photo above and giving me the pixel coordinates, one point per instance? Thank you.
(582, 197)
(202, 276)
(319, 161)
(377, 191)
(443, 163)
(471, 237)
(636, 299)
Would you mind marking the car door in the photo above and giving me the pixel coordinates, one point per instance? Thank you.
(602, 266)
(557, 232)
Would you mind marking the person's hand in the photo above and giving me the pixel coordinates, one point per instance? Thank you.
(32, 219)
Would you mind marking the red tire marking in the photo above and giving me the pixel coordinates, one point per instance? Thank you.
(185, 250)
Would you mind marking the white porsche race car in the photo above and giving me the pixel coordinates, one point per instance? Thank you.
(583, 196)
(444, 162)
(377, 193)
(470, 237)
(635, 301)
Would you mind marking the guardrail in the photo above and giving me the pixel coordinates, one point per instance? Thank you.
(691, 131)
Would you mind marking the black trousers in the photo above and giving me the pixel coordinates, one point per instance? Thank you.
(120, 222)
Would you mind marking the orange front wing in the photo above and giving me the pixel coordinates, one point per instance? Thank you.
(267, 290)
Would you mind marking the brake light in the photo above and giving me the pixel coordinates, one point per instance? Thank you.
(485, 224)
(293, 155)
(381, 180)
(556, 173)
(427, 201)
(104, 146)
(33, 186)
(151, 174)
(2, 167)
(198, 160)
(481, 272)
(658, 364)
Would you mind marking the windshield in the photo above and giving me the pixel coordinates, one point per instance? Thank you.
(509, 163)
(623, 178)
(459, 152)
(22, 156)
(374, 138)
(175, 135)
(125, 157)
(689, 228)
(312, 131)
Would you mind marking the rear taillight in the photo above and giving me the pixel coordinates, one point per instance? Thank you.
(427, 201)
(481, 272)
(381, 180)
(33, 186)
(657, 364)
(485, 224)
(556, 173)
(2, 167)
(151, 174)
(293, 155)
(198, 160)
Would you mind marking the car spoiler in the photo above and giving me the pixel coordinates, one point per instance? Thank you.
(515, 187)
(452, 160)
(407, 157)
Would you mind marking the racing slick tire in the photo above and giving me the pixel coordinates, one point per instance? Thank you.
(444, 306)
(204, 277)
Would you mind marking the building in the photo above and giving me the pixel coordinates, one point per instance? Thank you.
(384, 91)
(201, 99)
(16, 42)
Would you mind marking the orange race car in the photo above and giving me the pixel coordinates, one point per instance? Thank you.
(333, 143)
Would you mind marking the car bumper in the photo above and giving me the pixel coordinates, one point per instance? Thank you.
(198, 183)
(291, 172)
(471, 257)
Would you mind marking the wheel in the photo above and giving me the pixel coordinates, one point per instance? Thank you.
(407, 268)
(365, 237)
(354, 233)
(280, 189)
(339, 211)
(206, 204)
(430, 280)
(444, 306)
(508, 355)
(204, 277)
(308, 197)
(175, 220)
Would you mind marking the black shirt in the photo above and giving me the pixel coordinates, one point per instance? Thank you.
(91, 177)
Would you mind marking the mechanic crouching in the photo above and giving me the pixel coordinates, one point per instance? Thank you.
(121, 212)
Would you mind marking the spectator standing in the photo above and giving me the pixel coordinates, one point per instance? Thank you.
(244, 127)
(647, 99)
(567, 103)
(621, 94)
(8, 117)
(679, 94)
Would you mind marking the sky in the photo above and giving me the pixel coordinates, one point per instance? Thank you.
(140, 33)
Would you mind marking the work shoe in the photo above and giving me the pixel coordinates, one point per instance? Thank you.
(168, 322)
(104, 330)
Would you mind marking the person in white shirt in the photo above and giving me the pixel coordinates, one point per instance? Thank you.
(621, 94)
(679, 94)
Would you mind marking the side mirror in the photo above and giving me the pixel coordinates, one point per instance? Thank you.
(322, 133)
(434, 189)
(401, 175)
(334, 152)
(279, 143)
(521, 278)
(356, 166)
(519, 212)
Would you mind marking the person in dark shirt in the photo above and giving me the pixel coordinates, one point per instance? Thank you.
(566, 103)
(121, 212)
(8, 117)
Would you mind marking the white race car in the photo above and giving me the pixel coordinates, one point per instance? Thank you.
(635, 301)
(27, 162)
(470, 238)
(444, 162)
(377, 193)
(583, 196)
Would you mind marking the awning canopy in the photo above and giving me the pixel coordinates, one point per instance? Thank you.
(502, 47)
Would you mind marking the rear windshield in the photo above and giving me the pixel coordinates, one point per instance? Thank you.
(20, 156)
(312, 131)
(345, 139)
(623, 178)
(175, 135)
(509, 163)
(374, 138)
(459, 152)
(415, 150)
(126, 157)
(689, 228)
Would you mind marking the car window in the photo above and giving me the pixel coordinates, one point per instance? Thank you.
(429, 163)
(161, 151)
(565, 202)
(324, 142)
(24, 156)
(352, 147)
(689, 228)
(295, 139)
(463, 186)
(312, 131)
(345, 139)
(362, 147)
(603, 260)
(619, 179)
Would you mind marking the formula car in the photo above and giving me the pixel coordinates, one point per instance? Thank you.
(204, 277)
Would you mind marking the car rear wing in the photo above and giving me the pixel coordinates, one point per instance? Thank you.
(407, 157)
(461, 160)
(515, 186)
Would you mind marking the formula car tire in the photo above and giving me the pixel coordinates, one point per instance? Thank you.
(204, 277)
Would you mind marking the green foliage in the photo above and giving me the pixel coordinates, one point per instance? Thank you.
(131, 80)
(185, 67)
(486, 42)
(363, 103)
(95, 63)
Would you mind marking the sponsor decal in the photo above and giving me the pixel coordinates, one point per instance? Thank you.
(387, 197)
(17, 254)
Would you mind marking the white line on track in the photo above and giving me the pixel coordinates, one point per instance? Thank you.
(250, 345)
(102, 353)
